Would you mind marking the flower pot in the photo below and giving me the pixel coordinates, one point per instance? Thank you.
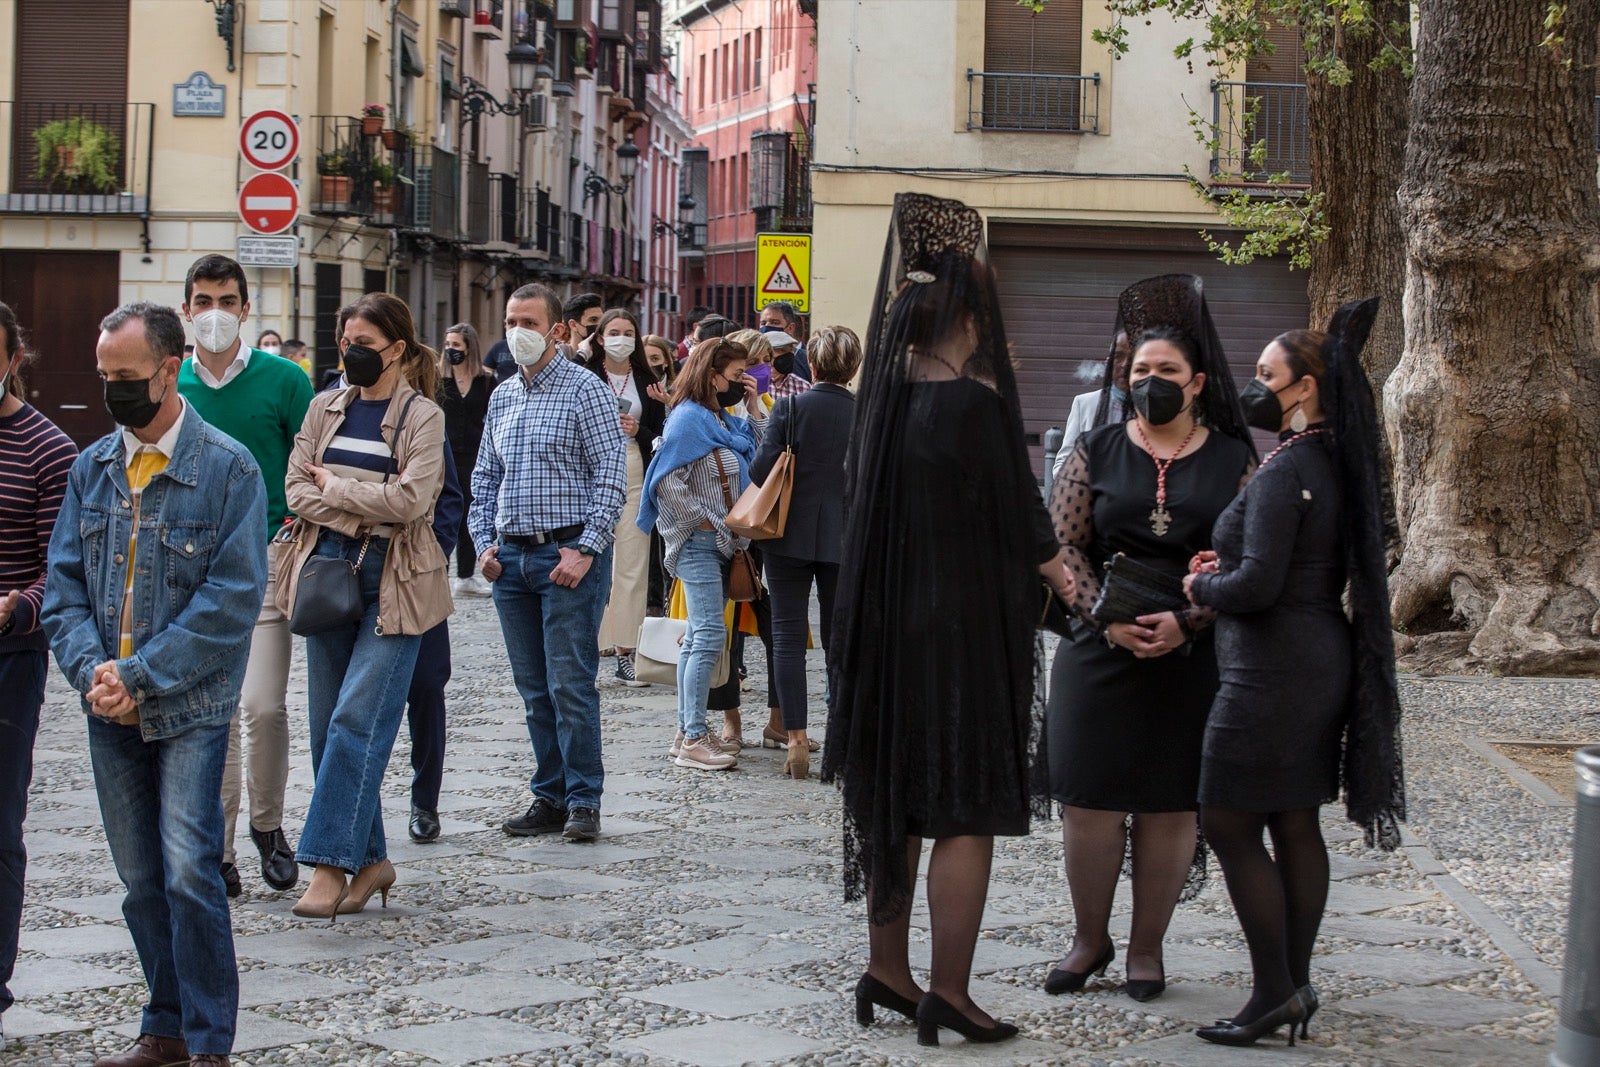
(383, 200)
(395, 139)
(371, 125)
(335, 189)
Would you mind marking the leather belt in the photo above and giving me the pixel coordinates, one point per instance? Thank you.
(566, 533)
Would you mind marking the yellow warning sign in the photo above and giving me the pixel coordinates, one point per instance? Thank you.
(783, 270)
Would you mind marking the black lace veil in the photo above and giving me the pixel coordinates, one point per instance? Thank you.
(934, 283)
(1374, 780)
(1178, 301)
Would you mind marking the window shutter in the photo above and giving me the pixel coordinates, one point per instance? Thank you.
(1017, 41)
(1287, 63)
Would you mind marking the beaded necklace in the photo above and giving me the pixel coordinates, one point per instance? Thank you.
(1289, 441)
(1161, 518)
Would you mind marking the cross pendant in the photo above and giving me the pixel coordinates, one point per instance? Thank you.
(1160, 520)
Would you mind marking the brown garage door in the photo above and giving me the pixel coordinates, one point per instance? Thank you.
(1058, 290)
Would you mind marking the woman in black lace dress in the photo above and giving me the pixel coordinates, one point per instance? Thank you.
(1291, 662)
(945, 542)
(1128, 701)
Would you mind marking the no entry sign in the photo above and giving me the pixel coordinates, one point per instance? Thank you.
(269, 203)
(269, 140)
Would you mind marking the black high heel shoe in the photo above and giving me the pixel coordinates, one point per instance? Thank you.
(1060, 980)
(935, 1011)
(1308, 994)
(1143, 989)
(1291, 1011)
(870, 991)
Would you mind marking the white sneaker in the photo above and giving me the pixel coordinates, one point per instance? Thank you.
(476, 586)
(704, 754)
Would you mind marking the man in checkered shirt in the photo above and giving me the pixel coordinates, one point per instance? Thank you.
(546, 497)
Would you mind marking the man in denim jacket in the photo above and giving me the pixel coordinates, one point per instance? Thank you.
(157, 570)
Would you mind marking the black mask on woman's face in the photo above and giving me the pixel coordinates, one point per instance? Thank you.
(1262, 408)
(364, 366)
(456, 356)
(732, 394)
(1158, 400)
(660, 372)
(129, 402)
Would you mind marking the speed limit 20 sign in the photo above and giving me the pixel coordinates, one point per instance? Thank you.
(269, 140)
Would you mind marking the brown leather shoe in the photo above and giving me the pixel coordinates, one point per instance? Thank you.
(150, 1050)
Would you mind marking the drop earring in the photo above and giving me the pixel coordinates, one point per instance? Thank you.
(1297, 421)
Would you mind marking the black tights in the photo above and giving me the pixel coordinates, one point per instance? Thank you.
(1279, 896)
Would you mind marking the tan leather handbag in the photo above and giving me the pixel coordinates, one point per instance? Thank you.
(741, 578)
(762, 511)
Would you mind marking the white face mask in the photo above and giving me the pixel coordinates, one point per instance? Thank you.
(272, 350)
(215, 330)
(527, 346)
(619, 347)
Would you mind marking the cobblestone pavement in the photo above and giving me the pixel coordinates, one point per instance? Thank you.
(706, 927)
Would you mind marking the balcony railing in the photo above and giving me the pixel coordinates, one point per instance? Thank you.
(1260, 133)
(478, 228)
(438, 193)
(75, 159)
(345, 164)
(1053, 103)
(503, 216)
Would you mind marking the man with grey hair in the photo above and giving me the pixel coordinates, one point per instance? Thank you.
(157, 570)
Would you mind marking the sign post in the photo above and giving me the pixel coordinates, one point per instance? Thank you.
(783, 270)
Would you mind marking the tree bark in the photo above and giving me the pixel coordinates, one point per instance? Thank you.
(1494, 410)
(1357, 136)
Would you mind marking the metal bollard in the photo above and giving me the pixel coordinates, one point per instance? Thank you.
(1052, 444)
(1578, 1035)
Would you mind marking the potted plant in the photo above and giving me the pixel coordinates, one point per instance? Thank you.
(77, 155)
(386, 177)
(371, 120)
(397, 137)
(332, 166)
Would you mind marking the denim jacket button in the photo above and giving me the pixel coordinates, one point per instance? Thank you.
(118, 557)
(189, 548)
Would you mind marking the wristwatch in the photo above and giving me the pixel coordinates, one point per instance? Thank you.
(587, 551)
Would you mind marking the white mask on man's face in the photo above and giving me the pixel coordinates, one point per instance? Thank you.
(215, 330)
(527, 346)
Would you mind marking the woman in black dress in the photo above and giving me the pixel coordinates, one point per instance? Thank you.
(945, 543)
(464, 388)
(1310, 519)
(1128, 701)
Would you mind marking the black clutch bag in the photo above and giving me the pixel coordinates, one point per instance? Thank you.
(1132, 589)
(1055, 614)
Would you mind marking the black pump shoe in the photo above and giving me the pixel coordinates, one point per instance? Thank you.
(1291, 1011)
(935, 1012)
(1143, 989)
(870, 991)
(1061, 980)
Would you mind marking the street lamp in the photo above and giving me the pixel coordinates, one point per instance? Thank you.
(523, 60)
(684, 230)
(226, 21)
(627, 167)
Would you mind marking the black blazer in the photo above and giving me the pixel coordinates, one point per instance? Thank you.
(654, 417)
(822, 419)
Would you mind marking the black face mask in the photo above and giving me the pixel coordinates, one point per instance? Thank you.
(1262, 408)
(129, 402)
(783, 364)
(660, 373)
(364, 366)
(1158, 400)
(456, 356)
(731, 395)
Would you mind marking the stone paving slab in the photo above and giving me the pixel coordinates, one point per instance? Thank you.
(1409, 967)
(490, 993)
(747, 953)
(255, 1032)
(731, 998)
(469, 1040)
(1463, 1050)
(296, 945)
(94, 940)
(1441, 1007)
(724, 1044)
(36, 978)
(263, 986)
(23, 1021)
(518, 951)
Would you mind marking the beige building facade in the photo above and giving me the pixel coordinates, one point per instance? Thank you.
(1081, 165)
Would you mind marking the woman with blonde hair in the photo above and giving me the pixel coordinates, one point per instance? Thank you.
(365, 472)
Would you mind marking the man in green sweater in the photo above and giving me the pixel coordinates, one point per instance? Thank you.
(259, 400)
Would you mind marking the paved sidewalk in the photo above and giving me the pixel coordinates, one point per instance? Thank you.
(707, 926)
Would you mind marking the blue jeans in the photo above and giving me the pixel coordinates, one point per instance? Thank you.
(356, 684)
(22, 682)
(700, 572)
(161, 802)
(552, 636)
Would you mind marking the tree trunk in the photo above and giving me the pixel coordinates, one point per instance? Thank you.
(1494, 409)
(1357, 136)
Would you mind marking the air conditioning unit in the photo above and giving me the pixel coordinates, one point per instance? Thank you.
(534, 115)
(456, 9)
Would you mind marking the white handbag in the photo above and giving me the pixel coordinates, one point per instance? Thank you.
(655, 658)
(660, 645)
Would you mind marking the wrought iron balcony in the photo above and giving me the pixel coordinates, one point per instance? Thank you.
(1033, 103)
(1260, 133)
(437, 209)
(75, 159)
(345, 164)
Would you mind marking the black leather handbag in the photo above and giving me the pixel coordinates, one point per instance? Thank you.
(1132, 589)
(1055, 615)
(328, 594)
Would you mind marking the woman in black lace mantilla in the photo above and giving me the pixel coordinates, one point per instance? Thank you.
(933, 681)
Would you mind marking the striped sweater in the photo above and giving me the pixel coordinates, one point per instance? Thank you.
(35, 458)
